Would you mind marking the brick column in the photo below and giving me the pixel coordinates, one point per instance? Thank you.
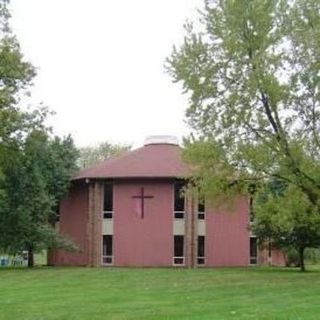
(94, 224)
(190, 231)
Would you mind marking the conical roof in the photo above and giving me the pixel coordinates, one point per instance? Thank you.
(153, 160)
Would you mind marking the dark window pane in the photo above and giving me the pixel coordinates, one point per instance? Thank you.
(253, 250)
(201, 246)
(107, 215)
(251, 209)
(178, 246)
(178, 196)
(107, 260)
(108, 197)
(178, 260)
(200, 260)
(179, 215)
(201, 215)
(201, 207)
(107, 245)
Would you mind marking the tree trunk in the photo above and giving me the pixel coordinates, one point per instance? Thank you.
(30, 258)
(301, 259)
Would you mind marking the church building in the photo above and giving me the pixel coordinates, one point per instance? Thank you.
(131, 211)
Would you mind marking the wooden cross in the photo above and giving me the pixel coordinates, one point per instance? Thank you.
(142, 196)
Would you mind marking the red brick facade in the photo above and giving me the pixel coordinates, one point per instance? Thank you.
(125, 237)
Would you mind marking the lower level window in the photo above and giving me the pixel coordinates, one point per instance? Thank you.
(107, 260)
(201, 215)
(178, 256)
(201, 250)
(107, 214)
(178, 260)
(253, 250)
(107, 250)
(179, 214)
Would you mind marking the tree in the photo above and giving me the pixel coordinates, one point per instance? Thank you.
(105, 150)
(15, 78)
(286, 219)
(252, 74)
(35, 167)
(15, 74)
(36, 179)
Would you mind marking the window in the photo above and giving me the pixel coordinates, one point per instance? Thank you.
(178, 257)
(201, 250)
(251, 212)
(179, 200)
(269, 252)
(201, 210)
(253, 250)
(108, 201)
(107, 257)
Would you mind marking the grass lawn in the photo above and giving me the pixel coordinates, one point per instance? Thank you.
(122, 293)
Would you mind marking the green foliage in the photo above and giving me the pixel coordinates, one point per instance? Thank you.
(312, 255)
(15, 77)
(286, 215)
(105, 150)
(251, 71)
(35, 168)
(36, 178)
(292, 257)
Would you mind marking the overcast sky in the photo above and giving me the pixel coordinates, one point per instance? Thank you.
(100, 65)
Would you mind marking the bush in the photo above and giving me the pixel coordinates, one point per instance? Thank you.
(312, 255)
(292, 257)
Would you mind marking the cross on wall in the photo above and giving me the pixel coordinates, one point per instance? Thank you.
(142, 197)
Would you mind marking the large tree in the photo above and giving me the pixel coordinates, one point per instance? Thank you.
(36, 178)
(16, 76)
(251, 70)
(35, 167)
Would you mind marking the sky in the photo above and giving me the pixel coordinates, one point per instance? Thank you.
(100, 65)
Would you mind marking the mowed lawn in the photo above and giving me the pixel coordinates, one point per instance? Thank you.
(123, 293)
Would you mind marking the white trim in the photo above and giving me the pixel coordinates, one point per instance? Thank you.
(204, 215)
(204, 261)
(179, 227)
(103, 212)
(161, 139)
(104, 256)
(174, 215)
(107, 227)
(257, 248)
(107, 263)
(178, 264)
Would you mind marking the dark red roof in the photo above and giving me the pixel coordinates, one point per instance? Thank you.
(149, 161)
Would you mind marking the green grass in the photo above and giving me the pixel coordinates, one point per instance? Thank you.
(122, 293)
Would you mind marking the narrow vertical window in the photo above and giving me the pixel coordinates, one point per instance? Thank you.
(179, 200)
(253, 250)
(201, 250)
(251, 209)
(178, 257)
(108, 201)
(107, 250)
(201, 210)
(269, 252)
